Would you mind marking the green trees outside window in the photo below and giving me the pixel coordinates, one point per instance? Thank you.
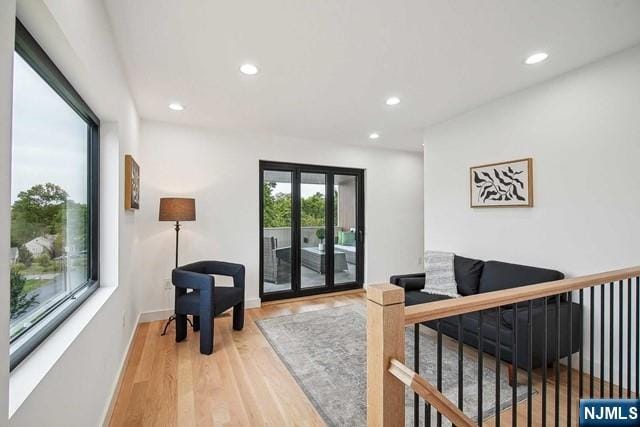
(277, 208)
(44, 211)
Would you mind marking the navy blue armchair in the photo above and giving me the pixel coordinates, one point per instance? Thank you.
(197, 294)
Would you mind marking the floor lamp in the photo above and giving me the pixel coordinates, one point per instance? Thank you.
(176, 209)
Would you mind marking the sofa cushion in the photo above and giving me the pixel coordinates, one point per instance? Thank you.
(468, 272)
(498, 275)
(417, 297)
(537, 315)
(471, 324)
(411, 283)
(490, 321)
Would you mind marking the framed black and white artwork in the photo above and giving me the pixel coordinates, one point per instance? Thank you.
(502, 185)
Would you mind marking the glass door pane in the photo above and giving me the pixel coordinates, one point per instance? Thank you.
(276, 231)
(313, 259)
(345, 230)
(312, 223)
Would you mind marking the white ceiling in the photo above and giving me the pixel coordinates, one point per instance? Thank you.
(328, 66)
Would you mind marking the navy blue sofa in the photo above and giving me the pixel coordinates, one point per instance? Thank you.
(476, 276)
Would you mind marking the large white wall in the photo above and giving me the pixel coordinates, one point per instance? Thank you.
(69, 380)
(221, 171)
(583, 132)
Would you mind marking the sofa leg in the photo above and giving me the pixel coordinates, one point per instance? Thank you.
(511, 371)
(196, 323)
(206, 336)
(181, 327)
(238, 316)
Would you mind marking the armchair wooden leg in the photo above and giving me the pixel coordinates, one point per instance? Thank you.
(196, 323)
(238, 316)
(206, 336)
(181, 327)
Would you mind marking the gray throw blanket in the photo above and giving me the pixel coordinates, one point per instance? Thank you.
(440, 276)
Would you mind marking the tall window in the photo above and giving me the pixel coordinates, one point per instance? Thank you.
(54, 176)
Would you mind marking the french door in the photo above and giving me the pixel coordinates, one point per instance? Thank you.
(311, 229)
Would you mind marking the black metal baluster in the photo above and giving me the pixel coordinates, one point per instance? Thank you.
(602, 349)
(460, 365)
(416, 368)
(557, 363)
(581, 365)
(427, 412)
(544, 366)
(529, 361)
(611, 286)
(569, 359)
(629, 348)
(514, 367)
(621, 338)
(637, 337)
(592, 307)
(480, 363)
(498, 358)
(439, 374)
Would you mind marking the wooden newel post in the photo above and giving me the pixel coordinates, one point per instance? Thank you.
(385, 341)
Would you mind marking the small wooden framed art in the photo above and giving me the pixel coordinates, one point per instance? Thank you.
(131, 183)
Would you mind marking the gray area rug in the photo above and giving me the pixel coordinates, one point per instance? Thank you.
(325, 350)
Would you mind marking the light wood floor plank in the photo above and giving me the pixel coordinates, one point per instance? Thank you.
(244, 383)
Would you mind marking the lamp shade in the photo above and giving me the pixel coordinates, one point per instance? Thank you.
(177, 209)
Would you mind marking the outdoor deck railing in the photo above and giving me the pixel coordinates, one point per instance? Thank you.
(613, 296)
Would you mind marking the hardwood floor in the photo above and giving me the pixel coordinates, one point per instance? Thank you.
(242, 383)
(537, 400)
(521, 408)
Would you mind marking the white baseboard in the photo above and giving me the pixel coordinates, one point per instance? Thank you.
(152, 316)
(253, 303)
(115, 388)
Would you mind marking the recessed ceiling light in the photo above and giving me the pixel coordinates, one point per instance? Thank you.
(374, 135)
(248, 69)
(393, 100)
(536, 57)
(175, 106)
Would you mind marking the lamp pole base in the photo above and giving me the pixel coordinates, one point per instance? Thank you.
(173, 316)
(169, 320)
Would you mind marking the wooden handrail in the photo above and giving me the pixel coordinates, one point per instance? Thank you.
(430, 394)
(453, 307)
(387, 375)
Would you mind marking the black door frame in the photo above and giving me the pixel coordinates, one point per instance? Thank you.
(296, 170)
